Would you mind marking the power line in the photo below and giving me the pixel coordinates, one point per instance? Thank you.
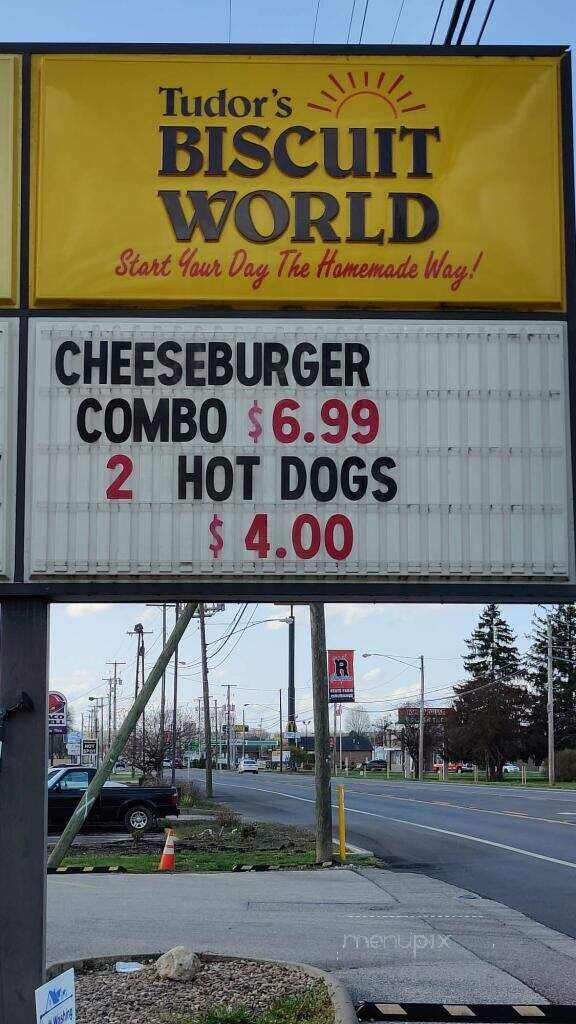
(464, 26)
(398, 20)
(485, 22)
(442, 2)
(316, 22)
(456, 12)
(366, 6)
(351, 20)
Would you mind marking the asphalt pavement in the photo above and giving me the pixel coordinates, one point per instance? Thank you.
(388, 936)
(510, 844)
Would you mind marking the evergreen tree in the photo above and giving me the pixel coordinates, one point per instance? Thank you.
(488, 724)
(564, 680)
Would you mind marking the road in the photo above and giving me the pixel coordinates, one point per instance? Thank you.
(516, 846)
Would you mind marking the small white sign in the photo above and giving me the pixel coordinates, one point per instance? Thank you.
(56, 1000)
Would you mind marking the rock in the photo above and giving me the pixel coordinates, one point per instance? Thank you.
(178, 964)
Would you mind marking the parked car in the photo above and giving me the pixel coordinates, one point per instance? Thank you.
(510, 769)
(459, 767)
(247, 764)
(136, 807)
(376, 765)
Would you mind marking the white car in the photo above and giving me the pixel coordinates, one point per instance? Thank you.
(510, 769)
(247, 764)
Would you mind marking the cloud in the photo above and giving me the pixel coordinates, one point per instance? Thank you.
(373, 674)
(353, 614)
(77, 611)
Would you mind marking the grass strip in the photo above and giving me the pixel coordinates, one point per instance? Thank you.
(190, 861)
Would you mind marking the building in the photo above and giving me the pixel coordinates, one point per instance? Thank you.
(356, 747)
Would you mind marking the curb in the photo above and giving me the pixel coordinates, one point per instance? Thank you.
(111, 869)
(344, 1011)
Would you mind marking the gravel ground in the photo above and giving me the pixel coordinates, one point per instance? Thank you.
(105, 997)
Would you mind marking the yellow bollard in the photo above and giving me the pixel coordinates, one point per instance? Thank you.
(341, 823)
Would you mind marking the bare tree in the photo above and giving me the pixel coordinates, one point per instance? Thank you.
(357, 720)
(155, 745)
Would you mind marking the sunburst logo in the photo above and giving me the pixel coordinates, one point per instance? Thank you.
(386, 87)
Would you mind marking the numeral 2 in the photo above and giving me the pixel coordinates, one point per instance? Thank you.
(115, 491)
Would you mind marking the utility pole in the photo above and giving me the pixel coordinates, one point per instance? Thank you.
(244, 730)
(551, 768)
(110, 682)
(291, 684)
(321, 735)
(199, 702)
(217, 738)
(164, 606)
(281, 736)
(421, 728)
(117, 682)
(335, 747)
(228, 687)
(139, 632)
(175, 702)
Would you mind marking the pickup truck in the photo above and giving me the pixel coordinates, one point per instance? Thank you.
(137, 808)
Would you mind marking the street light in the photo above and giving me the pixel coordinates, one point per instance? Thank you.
(392, 657)
(244, 731)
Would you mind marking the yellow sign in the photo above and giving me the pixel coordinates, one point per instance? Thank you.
(9, 149)
(398, 182)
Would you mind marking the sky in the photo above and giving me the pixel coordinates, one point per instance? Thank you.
(84, 638)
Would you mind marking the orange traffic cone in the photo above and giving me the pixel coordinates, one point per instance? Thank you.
(168, 859)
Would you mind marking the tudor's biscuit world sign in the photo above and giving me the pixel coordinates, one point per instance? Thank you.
(395, 182)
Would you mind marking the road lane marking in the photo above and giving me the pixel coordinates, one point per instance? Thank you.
(433, 803)
(427, 828)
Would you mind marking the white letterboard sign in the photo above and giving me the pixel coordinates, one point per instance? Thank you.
(298, 448)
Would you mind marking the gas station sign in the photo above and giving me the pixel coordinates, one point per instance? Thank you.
(399, 181)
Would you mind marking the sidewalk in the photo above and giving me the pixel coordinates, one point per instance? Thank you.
(390, 937)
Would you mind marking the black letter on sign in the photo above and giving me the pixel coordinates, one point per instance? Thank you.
(87, 435)
(185, 478)
(358, 219)
(358, 168)
(219, 463)
(253, 150)
(183, 423)
(63, 377)
(332, 483)
(287, 492)
(380, 477)
(354, 486)
(304, 221)
(247, 462)
(202, 216)
(419, 149)
(400, 217)
(284, 161)
(171, 146)
(278, 208)
(150, 427)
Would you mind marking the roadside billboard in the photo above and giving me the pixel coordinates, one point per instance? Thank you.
(410, 714)
(57, 713)
(332, 180)
(340, 677)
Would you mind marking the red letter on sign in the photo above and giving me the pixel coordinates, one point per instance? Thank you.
(115, 490)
